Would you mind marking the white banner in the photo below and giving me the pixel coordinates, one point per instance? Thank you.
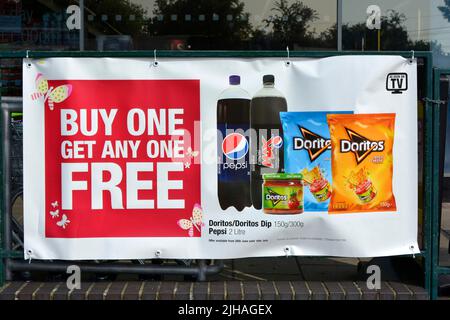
(220, 158)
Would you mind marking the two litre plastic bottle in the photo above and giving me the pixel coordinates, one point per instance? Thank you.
(266, 136)
(233, 121)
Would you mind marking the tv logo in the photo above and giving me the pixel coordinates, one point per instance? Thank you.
(396, 83)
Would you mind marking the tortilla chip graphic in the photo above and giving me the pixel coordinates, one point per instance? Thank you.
(319, 187)
(309, 176)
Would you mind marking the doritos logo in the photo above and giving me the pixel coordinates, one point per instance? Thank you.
(360, 145)
(274, 197)
(311, 142)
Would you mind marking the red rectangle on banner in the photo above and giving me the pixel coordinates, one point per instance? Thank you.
(119, 157)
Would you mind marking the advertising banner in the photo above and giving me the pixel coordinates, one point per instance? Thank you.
(220, 158)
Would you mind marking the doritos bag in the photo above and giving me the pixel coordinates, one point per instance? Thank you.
(362, 162)
(307, 151)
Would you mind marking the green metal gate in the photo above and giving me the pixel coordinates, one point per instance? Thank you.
(427, 191)
(438, 141)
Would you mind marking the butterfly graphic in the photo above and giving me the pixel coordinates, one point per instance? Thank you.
(190, 153)
(194, 222)
(53, 95)
(54, 204)
(63, 222)
(55, 213)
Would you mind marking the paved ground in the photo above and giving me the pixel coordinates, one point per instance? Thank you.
(294, 268)
(243, 279)
(218, 290)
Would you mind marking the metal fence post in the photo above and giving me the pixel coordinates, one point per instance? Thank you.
(6, 189)
(201, 276)
(2, 157)
(436, 185)
(436, 102)
(428, 177)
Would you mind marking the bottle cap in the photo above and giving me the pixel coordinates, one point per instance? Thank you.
(268, 79)
(235, 80)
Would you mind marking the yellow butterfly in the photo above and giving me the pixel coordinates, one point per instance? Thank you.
(53, 95)
(194, 221)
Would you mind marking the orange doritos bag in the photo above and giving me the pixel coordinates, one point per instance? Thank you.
(362, 162)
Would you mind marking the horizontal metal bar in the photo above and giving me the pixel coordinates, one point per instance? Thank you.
(410, 255)
(58, 266)
(11, 254)
(11, 104)
(201, 54)
(443, 72)
(442, 270)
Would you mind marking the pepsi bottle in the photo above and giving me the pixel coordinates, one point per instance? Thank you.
(233, 172)
(266, 137)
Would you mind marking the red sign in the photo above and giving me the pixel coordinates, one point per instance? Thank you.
(119, 157)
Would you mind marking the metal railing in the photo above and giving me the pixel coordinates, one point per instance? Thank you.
(438, 102)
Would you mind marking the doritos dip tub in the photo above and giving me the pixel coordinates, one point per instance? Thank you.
(282, 193)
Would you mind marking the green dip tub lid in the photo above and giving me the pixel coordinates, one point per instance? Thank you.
(282, 176)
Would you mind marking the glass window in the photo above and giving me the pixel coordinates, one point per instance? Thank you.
(404, 25)
(226, 25)
(32, 25)
(209, 24)
(38, 25)
(439, 32)
(401, 27)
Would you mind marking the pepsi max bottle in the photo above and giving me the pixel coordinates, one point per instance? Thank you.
(233, 172)
(266, 136)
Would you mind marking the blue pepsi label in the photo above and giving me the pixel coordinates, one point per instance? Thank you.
(232, 148)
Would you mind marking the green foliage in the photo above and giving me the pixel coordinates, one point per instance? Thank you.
(111, 8)
(290, 23)
(445, 9)
(216, 23)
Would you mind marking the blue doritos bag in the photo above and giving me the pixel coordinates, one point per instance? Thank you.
(307, 150)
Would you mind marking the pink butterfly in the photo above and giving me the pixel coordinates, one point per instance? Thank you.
(194, 222)
(53, 95)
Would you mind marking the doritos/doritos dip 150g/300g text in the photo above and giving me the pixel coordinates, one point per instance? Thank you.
(362, 162)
